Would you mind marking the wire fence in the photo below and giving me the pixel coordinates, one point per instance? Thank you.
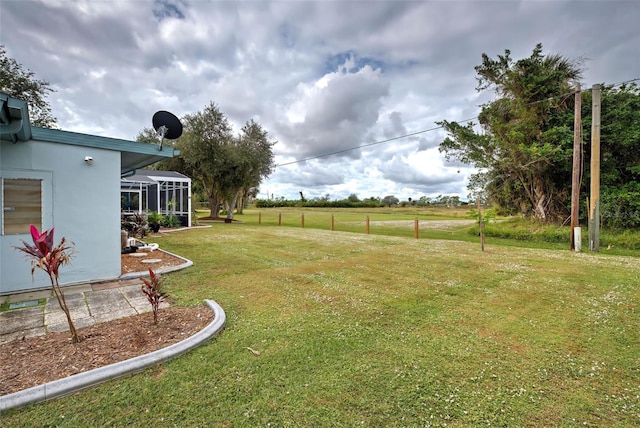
(416, 228)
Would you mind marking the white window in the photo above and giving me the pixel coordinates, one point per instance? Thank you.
(21, 205)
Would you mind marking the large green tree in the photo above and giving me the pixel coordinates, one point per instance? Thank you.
(19, 83)
(227, 167)
(257, 150)
(523, 141)
(205, 154)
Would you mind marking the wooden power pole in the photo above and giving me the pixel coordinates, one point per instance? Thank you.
(575, 175)
(594, 197)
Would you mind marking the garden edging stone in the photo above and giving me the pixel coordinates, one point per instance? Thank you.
(62, 387)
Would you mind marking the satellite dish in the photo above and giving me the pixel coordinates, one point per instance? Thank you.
(167, 125)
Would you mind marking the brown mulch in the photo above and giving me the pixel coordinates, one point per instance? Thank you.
(33, 361)
(131, 263)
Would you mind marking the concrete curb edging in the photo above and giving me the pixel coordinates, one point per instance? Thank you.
(133, 275)
(61, 387)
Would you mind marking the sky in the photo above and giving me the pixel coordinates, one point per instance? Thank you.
(322, 77)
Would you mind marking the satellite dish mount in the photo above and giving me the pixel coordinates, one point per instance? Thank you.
(167, 125)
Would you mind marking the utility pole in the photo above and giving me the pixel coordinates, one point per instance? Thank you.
(575, 175)
(594, 208)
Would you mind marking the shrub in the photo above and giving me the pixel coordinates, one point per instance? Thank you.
(172, 220)
(155, 296)
(48, 258)
(620, 208)
(136, 225)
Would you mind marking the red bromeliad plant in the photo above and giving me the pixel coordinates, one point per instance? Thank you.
(155, 296)
(47, 257)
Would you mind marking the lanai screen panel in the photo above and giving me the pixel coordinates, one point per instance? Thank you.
(176, 193)
(133, 197)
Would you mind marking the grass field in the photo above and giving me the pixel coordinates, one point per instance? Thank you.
(453, 223)
(375, 330)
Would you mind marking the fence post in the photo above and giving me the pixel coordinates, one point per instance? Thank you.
(279, 219)
(302, 219)
(332, 222)
(367, 223)
(480, 224)
(416, 228)
(259, 217)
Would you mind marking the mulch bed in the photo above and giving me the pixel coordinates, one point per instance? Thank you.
(28, 362)
(34, 361)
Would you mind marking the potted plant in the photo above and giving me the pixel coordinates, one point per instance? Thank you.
(155, 220)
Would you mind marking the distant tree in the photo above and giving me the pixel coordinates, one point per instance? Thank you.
(353, 198)
(424, 201)
(440, 200)
(390, 200)
(19, 83)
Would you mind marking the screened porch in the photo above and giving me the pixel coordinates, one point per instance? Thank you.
(166, 192)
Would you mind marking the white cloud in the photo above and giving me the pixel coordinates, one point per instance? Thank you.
(337, 111)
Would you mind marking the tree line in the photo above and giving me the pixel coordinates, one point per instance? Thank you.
(353, 201)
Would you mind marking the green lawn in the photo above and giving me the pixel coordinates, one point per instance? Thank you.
(375, 330)
(434, 223)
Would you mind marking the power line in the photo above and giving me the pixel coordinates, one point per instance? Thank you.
(437, 127)
(626, 81)
(615, 85)
(404, 136)
(371, 144)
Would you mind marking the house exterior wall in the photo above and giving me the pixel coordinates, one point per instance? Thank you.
(81, 201)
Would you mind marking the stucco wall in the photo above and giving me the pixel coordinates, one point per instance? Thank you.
(81, 201)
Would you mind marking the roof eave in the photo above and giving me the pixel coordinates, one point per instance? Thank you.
(134, 155)
(14, 119)
(130, 163)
